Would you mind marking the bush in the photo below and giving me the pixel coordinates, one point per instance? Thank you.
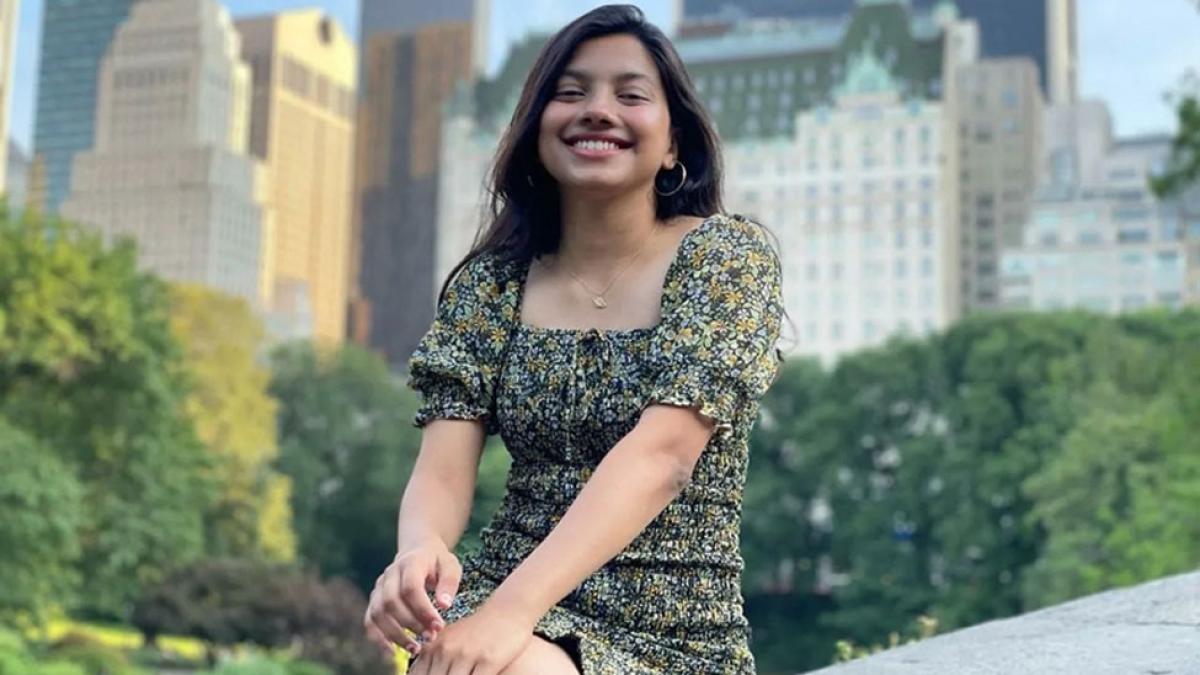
(231, 602)
(94, 658)
(266, 665)
(17, 659)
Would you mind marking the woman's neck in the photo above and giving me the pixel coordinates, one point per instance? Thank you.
(598, 234)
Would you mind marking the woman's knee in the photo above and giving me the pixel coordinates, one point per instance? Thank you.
(542, 657)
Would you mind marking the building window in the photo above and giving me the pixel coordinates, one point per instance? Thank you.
(1133, 236)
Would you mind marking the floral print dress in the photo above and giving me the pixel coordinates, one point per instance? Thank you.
(561, 398)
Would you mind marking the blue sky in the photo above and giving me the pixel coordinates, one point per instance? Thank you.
(1131, 53)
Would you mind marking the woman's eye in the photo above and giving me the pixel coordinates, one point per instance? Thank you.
(569, 92)
(636, 97)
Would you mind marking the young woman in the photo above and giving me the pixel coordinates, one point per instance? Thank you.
(618, 331)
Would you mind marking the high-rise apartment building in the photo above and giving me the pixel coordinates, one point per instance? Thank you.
(8, 20)
(1000, 110)
(1098, 239)
(75, 37)
(302, 130)
(169, 167)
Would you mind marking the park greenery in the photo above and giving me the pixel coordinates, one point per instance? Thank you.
(169, 471)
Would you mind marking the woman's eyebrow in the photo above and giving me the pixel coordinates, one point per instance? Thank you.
(585, 76)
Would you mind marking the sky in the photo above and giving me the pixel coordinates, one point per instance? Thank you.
(1131, 53)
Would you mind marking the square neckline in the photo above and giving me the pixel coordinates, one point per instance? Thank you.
(638, 330)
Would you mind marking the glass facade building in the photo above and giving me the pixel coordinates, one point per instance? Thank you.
(75, 36)
(390, 16)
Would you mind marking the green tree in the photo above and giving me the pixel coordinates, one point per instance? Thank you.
(1183, 168)
(88, 367)
(39, 544)
(1119, 503)
(235, 417)
(348, 445)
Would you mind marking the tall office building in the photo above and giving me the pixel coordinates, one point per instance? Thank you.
(75, 37)
(1000, 140)
(1043, 30)
(8, 21)
(302, 129)
(169, 166)
(410, 77)
(388, 17)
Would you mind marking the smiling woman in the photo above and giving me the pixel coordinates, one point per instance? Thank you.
(618, 331)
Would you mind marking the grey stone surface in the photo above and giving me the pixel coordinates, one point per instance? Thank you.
(1152, 629)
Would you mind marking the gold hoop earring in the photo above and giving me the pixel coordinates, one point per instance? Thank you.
(679, 187)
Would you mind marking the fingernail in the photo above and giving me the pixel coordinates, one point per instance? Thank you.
(445, 599)
(428, 635)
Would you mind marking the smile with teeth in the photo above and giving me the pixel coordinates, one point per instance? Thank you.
(595, 145)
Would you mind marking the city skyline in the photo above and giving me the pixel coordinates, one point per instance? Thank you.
(1154, 50)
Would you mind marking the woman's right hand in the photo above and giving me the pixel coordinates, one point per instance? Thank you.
(401, 601)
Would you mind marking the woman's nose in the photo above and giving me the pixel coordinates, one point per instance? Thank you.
(596, 111)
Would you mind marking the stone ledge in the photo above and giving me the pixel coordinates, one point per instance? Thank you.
(1151, 629)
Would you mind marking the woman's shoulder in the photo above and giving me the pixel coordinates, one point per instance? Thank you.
(725, 235)
(484, 295)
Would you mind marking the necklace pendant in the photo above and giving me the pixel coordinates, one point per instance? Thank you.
(599, 302)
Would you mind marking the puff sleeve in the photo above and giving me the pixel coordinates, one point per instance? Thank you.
(455, 365)
(721, 321)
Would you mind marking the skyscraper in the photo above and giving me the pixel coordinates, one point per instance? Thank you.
(75, 36)
(389, 17)
(1043, 30)
(410, 77)
(8, 20)
(302, 129)
(169, 167)
(1001, 110)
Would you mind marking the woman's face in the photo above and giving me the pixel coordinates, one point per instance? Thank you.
(607, 128)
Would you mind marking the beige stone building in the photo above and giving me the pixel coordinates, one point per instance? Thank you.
(8, 20)
(169, 167)
(302, 129)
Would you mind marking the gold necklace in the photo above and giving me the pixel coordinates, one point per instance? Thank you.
(598, 300)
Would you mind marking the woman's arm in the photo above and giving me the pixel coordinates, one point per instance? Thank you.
(634, 482)
(433, 514)
(437, 500)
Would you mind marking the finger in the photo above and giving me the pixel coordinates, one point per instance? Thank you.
(376, 636)
(396, 605)
(415, 599)
(418, 666)
(449, 575)
(395, 633)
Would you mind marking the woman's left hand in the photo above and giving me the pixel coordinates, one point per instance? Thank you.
(483, 643)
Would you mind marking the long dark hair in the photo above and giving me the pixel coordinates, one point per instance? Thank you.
(524, 202)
